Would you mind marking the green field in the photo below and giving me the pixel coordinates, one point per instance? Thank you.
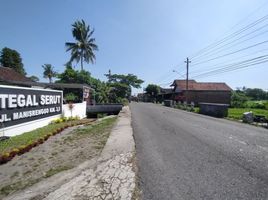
(237, 113)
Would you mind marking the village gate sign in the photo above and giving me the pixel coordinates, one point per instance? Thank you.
(20, 105)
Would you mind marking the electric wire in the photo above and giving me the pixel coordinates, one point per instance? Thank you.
(227, 54)
(228, 62)
(234, 69)
(235, 66)
(215, 44)
(221, 48)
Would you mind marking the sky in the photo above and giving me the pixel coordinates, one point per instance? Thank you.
(148, 38)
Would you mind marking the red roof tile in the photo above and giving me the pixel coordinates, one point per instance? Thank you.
(193, 85)
(7, 74)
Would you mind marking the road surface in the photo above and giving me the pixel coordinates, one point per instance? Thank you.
(184, 155)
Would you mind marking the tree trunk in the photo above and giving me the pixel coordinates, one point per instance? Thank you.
(82, 63)
(50, 79)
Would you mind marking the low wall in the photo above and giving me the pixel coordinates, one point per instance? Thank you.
(212, 109)
(168, 103)
(105, 108)
(26, 127)
(79, 109)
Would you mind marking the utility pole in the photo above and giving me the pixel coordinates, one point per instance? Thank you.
(187, 76)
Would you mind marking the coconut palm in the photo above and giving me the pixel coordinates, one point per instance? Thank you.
(49, 72)
(83, 49)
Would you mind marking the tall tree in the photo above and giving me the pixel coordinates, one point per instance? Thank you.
(101, 89)
(11, 58)
(123, 83)
(152, 90)
(109, 76)
(83, 49)
(49, 72)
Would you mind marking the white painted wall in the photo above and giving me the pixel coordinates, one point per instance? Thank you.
(26, 127)
(79, 109)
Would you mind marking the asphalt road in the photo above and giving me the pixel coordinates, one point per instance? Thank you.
(184, 155)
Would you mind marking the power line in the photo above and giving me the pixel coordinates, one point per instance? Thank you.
(250, 14)
(259, 58)
(210, 49)
(228, 62)
(168, 74)
(241, 67)
(234, 66)
(213, 51)
(248, 47)
(215, 44)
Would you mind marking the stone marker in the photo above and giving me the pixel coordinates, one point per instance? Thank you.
(247, 117)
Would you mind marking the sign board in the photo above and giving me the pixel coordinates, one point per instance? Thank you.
(19, 104)
(86, 91)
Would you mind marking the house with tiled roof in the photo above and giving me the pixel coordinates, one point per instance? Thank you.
(11, 77)
(206, 92)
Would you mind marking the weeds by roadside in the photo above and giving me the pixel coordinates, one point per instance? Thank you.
(48, 159)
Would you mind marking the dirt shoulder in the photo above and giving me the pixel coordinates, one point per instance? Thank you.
(113, 176)
(64, 151)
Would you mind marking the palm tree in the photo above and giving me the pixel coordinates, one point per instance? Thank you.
(49, 72)
(84, 47)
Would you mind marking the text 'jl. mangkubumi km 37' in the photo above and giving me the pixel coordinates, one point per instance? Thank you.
(20, 105)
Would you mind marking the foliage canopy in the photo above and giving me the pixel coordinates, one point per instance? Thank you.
(83, 49)
(11, 58)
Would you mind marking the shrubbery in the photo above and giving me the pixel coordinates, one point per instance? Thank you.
(64, 119)
(238, 99)
(185, 107)
(266, 105)
(255, 104)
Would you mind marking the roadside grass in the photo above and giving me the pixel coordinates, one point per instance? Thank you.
(32, 136)
(54, 171)
(6, 190)
(237, 113)
(97, 132)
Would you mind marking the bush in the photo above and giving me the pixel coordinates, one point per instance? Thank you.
(64, 119)
(70, 97)
(254, 104)
(124, 101)
(238, 100)
(266, 105)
